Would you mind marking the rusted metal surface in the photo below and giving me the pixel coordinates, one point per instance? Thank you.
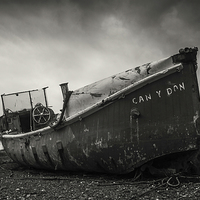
(121, 122)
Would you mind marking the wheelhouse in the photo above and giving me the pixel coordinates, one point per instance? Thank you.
(25, 111)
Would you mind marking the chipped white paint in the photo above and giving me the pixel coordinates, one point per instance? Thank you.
(109, 136)
(170, 129)
(91, 94)
(101, 144)
(195, 118)
(86, 152)
(98, 143)
(86, 129)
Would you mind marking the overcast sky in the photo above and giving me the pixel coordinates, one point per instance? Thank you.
(45, 43)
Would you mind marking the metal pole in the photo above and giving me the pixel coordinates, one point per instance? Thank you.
(45, 97)
(32, 125)
(4, 111)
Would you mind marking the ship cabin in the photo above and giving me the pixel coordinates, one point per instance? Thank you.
(25, 111)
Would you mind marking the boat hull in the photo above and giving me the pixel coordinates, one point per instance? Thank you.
(157, 119)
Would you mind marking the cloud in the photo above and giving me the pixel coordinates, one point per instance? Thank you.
(45, 43)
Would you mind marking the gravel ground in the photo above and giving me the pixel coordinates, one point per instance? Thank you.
(17, 182)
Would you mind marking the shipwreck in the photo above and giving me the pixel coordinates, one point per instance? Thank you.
(115, 125)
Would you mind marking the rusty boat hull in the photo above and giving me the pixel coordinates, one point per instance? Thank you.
(119, 123)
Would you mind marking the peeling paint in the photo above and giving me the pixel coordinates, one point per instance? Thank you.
(113, 77)
(85, 129)
(86, 152)
(195, 118)
(138, 70)
(95, 94)
(77, 93)
(124, 79)
(148, 68)
(101, 144)
(170, 129)
(109, 136)
(98, 143)
(191, 146)
(120, 161)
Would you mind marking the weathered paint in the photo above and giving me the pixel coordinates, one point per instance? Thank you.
(89, 95)
(156, 115)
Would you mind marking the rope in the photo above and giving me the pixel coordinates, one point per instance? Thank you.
(173, 181)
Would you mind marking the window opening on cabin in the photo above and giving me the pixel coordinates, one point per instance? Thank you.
(18, 108)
